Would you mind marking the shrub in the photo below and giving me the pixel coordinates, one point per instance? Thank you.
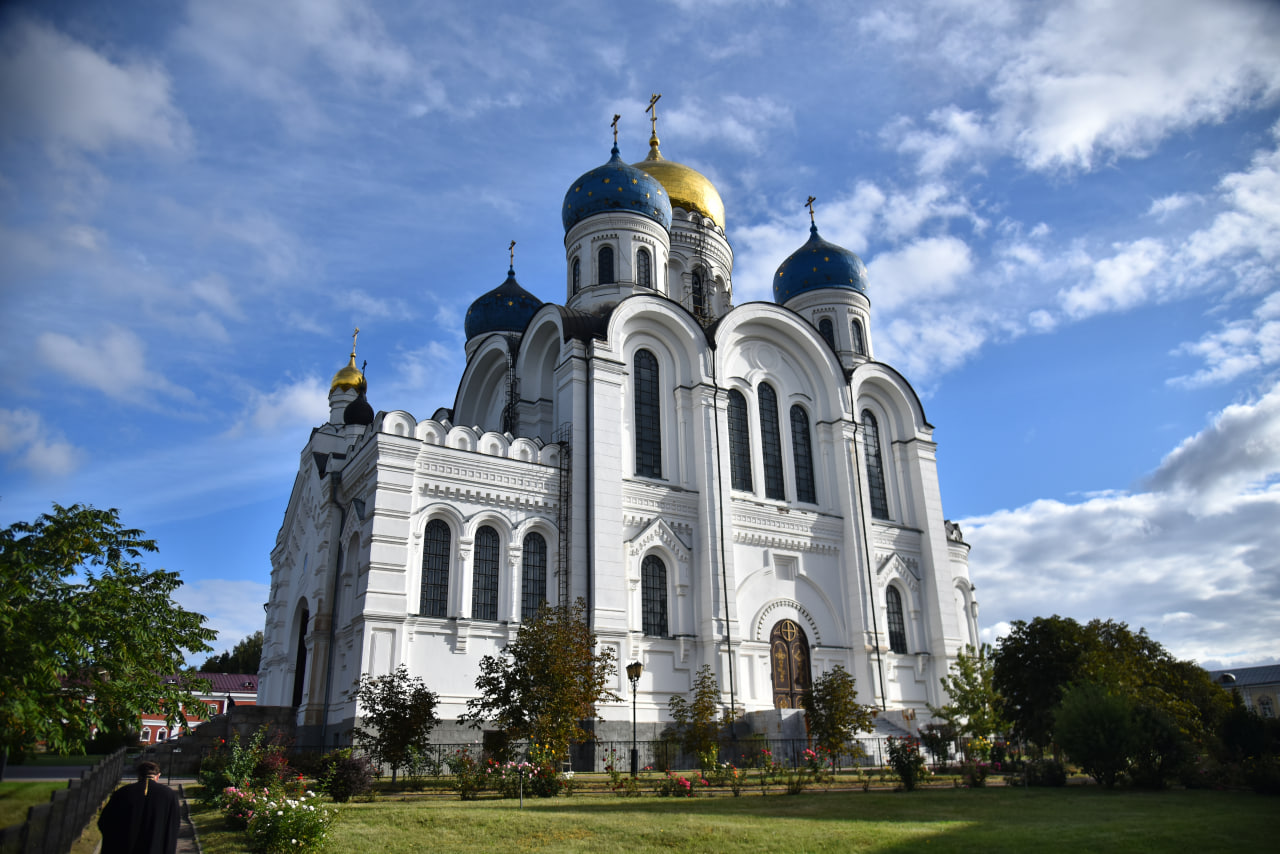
(907, 762)
(1262, 773)
(344, 776)
(938, 739)
(239, 805)
(1044, 772)
(727, 774)
(1095, 725)
(468, 777)
(673, 785)
(289, 824)
(975, 774)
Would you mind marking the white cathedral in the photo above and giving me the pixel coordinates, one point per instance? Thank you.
(744, 487)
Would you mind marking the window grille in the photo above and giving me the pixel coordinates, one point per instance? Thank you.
(859, 343)
(437, 543)
(739, 442)
(533, 581)
(875, 466)
(653, 594)
(648, 420)
(802, 456)
(897, 625)
(644, 269)
(771, 444)
(605, 263)
(827, 332)
(484, 576)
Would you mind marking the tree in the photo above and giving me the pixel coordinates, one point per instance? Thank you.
(1095, 726)
(546, 681)
(698, 718)
(833, 712)
(975, 707)
(1033, 664)
(88, 637)
(398, 713)
(244, 657)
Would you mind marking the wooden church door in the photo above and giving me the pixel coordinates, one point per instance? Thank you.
(789, 654)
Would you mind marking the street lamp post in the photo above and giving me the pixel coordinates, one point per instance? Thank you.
(634, 669)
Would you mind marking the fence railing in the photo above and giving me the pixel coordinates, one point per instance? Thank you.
(54, 827)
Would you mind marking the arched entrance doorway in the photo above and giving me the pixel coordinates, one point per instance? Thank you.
(300, 663)
(789, 660)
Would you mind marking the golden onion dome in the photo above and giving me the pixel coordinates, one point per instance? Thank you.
(686, 188)
(349, 377)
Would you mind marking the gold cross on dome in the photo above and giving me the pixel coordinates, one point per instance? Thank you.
(353, 341)
(653, 108)
(614, 125)
(809, 205)
(512, 250)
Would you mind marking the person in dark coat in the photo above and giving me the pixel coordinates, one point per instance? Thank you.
(141, 818)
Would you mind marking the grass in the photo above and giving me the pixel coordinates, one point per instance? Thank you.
(997, 819)
(17, 798)
(49, 760)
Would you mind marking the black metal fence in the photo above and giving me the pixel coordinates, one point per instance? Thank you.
(54, 827)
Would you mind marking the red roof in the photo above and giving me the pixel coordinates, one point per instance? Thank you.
(231, 683)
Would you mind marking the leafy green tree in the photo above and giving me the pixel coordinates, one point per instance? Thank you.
(1033, 665)
(546, 681)
(244, 657)
(397, 713)
(1095, 726)
(975, 707)
(833, 713)
(88, 637)
(698, 718)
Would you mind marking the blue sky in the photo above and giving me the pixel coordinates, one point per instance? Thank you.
(1070, 213)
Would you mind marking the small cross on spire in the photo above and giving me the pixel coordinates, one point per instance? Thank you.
(614, 125)
(809, 204)
(512, 250)
(353, 342)
(653, 109)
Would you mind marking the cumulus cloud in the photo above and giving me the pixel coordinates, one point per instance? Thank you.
(735, 120)
(36, 446)
(114, 364)
(1120, 281)
(230, 607)
(928, 268)
(1238, 348)
(1162, 208)
(1195, 557)
(68, 94)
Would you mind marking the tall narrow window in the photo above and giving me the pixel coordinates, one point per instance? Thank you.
(827, 331)
(605, 263)
(648, 416)
(739, 442)
(859, 343)
(644, 269)
(653, 596)
(533, 576)
(897, 625)
(771, 444)
(436, 546)
(577, 275)
(484, 577)
(875, 466)
(699, 295)
(802, 456)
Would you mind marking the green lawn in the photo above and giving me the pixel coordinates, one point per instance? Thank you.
(996, 819)
(16, 798)
(49, 760)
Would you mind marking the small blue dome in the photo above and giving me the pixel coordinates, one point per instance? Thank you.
(818, 264)
(506, 308)
(616, 186)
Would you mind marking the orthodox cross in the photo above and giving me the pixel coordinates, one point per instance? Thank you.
(809, 205)
(353, 342)
(614, 125)
(653, 108)
(512, 250)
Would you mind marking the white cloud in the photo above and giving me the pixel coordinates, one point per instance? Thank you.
(1194, 559)
(288, 409)
(35, 445)
(1101, 79)
(215, 291)
(959, 133)
(233, 608)
(1252, 222)
(69, 94)
(1165, 206)
(114, 364)
(735, 120)
(1238, 348)
(928, 268)
(1121, 281)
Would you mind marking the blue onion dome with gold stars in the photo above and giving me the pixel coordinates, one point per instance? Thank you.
(506, 308)
(818, 264)
(616, 186)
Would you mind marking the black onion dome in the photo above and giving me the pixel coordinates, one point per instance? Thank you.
(358, 411)
(506, 308)
(818, 264)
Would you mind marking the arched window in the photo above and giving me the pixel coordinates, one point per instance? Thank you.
(897, 625)
(827, 331)
(1265, 708)
(436, 545)
(533, 577)
(771, 444)
(644, 269)
(484, 576)
(739, 442)
(802, 456)
(653, 596)
(577, 275)
(699, 295)
(648, 416)
(859, 342)
(145, 738)
(162, 734)
(604, 261)
(875, 466)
